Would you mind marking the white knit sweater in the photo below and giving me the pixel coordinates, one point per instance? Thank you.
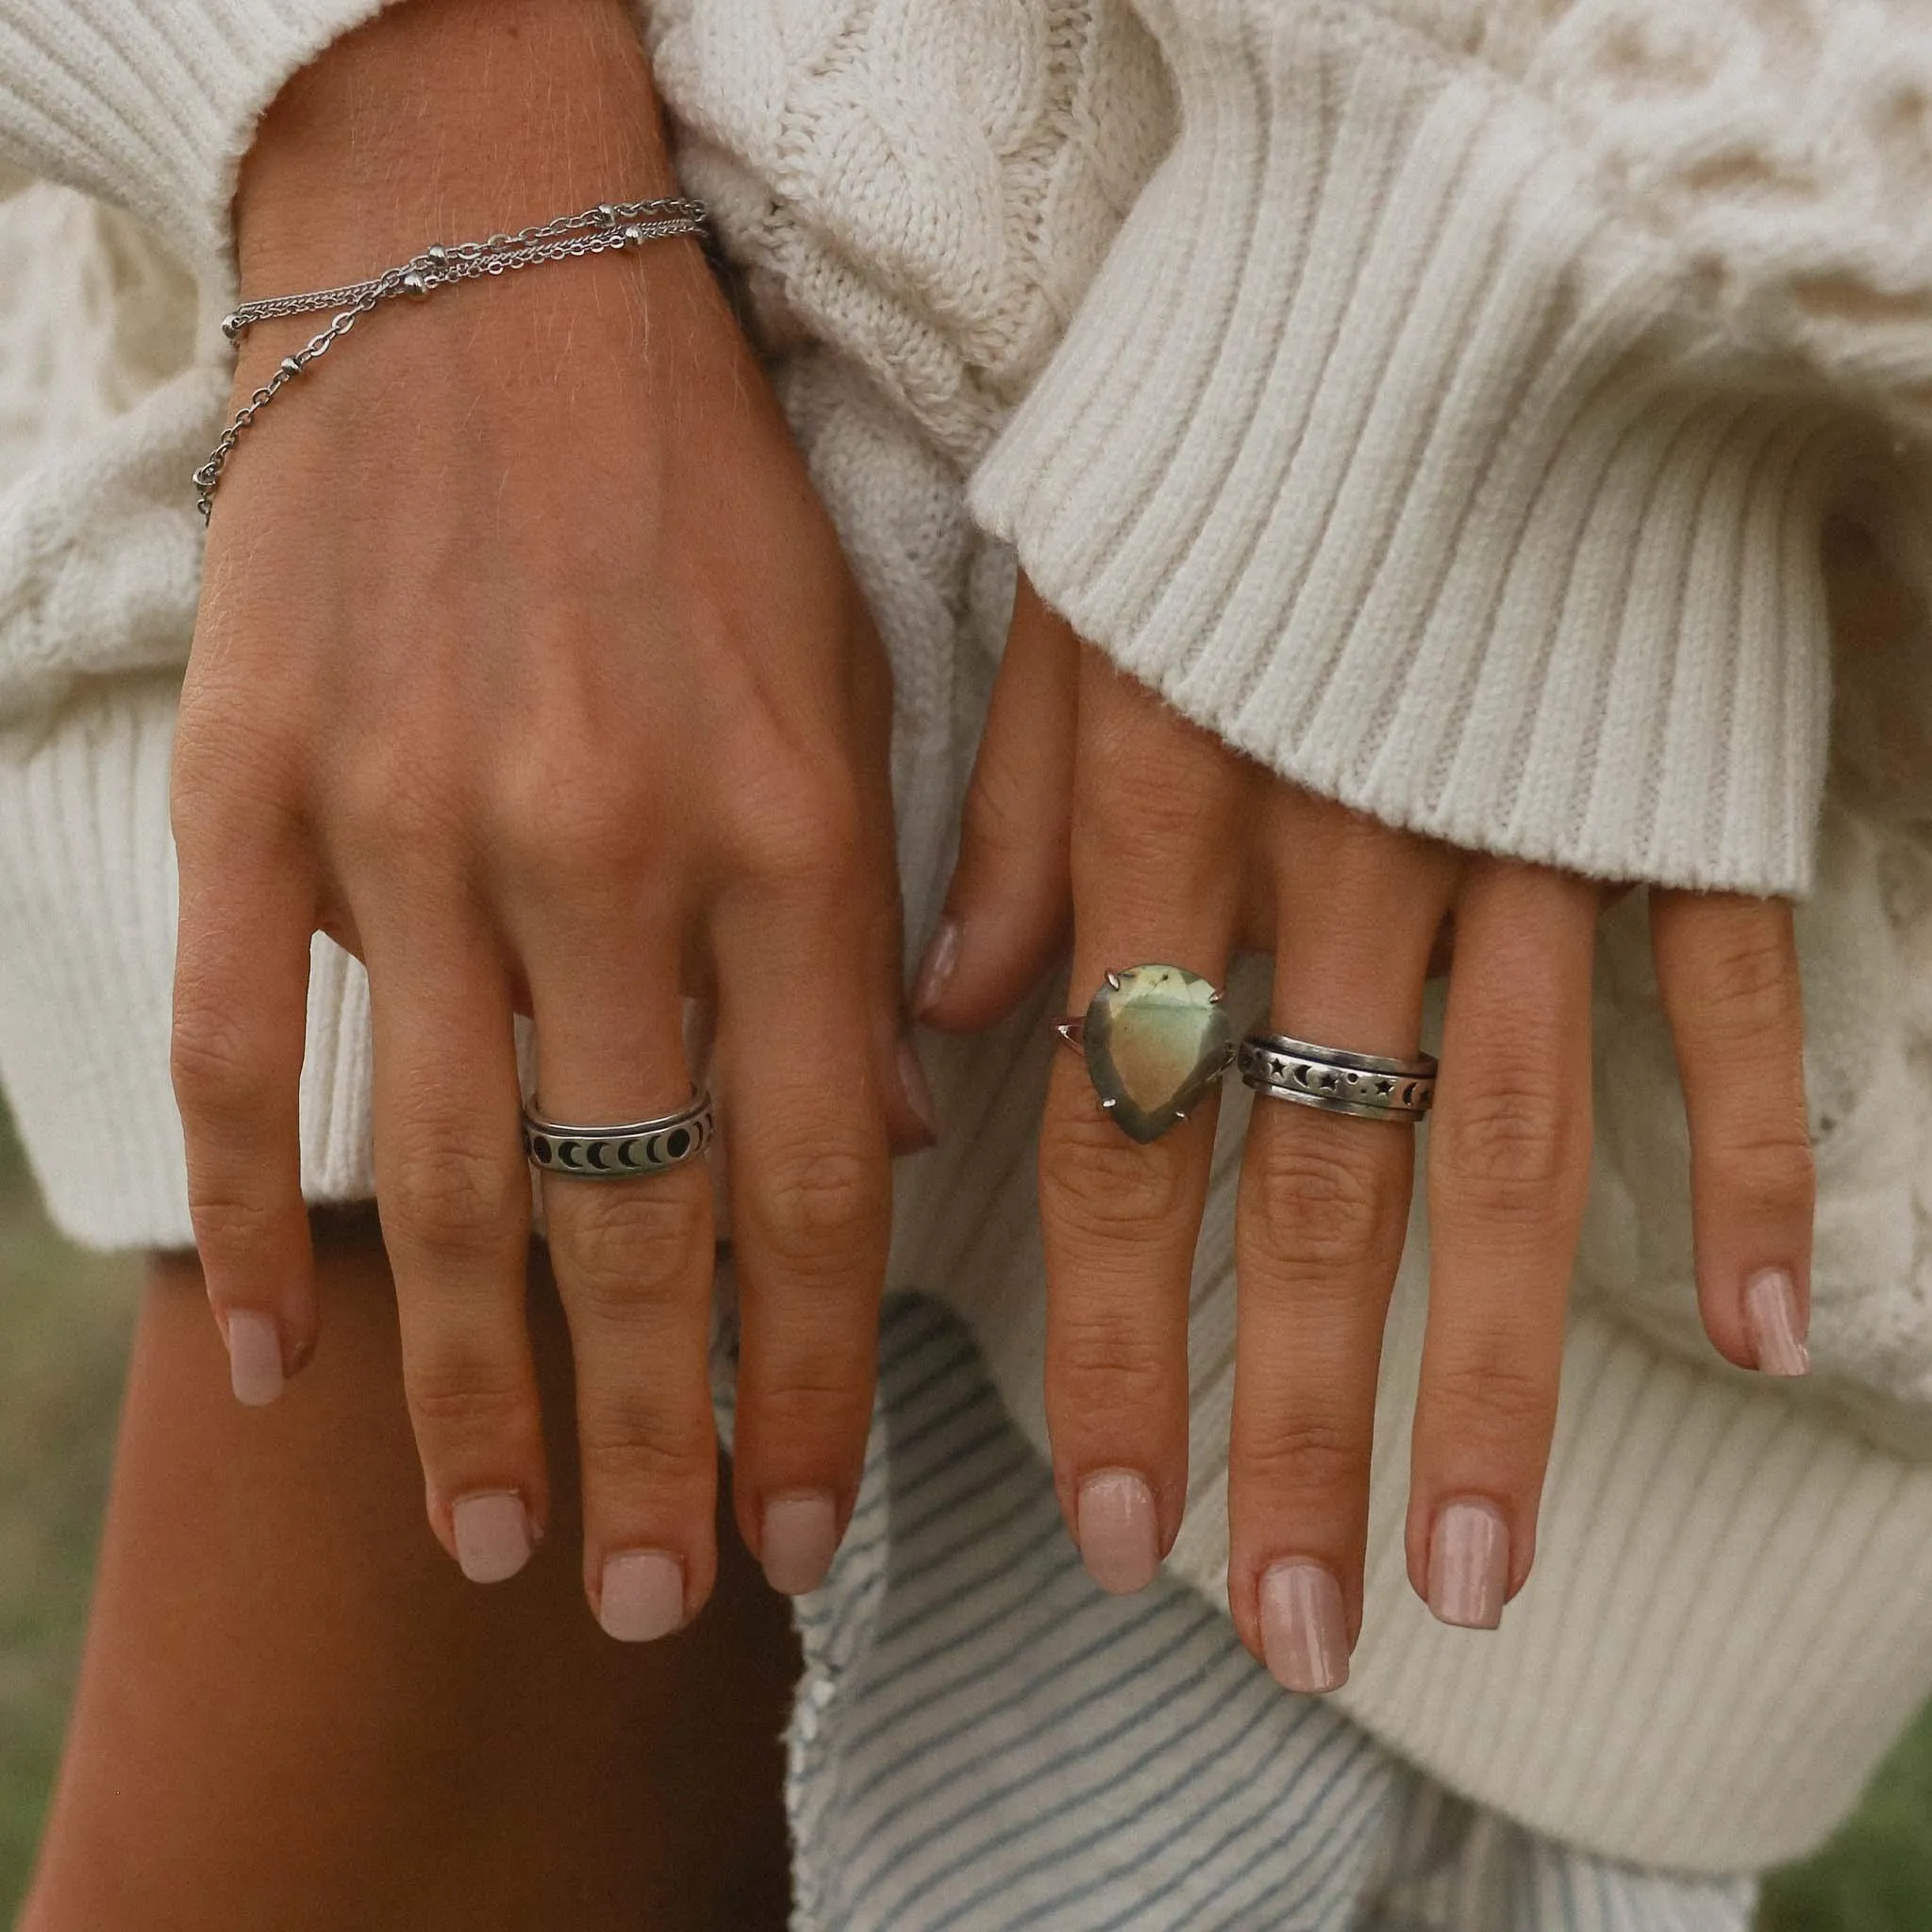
(1443, 401)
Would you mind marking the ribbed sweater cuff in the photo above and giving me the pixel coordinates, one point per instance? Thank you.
(1372, 450)
(151, 104)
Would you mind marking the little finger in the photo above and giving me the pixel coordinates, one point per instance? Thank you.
(1727, 971)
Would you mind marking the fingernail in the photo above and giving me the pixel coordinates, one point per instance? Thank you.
(798, 1539)
(642, 1597)
(255, 1357)
(1469, 1565)
(492, 1535)
(1119, 1531)
(1304, 1627)
(1771, 1321)
(936, 968)
(912, 1083)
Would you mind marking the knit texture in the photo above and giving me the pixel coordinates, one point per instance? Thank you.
(1441, 399)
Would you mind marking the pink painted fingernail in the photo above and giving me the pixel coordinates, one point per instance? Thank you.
(798, 1539)
(1773, 1324)
(1304, 1627)
(1119, 1530)
(936, 968)
(1469, 1565)
(492, 1535)
(912, 1083)
(642, 1597)
(255, 1357)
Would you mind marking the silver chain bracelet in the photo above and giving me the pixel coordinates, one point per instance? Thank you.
(596, 231)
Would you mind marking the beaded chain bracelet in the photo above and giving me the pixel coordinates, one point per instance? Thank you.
(595, 231)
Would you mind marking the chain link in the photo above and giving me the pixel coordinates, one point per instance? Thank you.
(600, 230)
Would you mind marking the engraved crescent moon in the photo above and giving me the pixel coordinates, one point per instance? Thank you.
(567, 1154)
(593, 1154)
(625, 1150)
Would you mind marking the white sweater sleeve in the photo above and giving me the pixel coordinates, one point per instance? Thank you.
(151, 104)
(1396, 444)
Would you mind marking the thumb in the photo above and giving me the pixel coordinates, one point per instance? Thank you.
(1007, 907)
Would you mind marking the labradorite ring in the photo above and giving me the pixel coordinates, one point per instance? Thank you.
(621, 1153)
(1367, 1085)
(1155, 1040)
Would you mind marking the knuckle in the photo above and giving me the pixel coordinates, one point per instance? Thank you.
(811, 1206)
(226, 1226)
(1746, 983)
(448, 1199)
(1306, 1453)
(227, 772)
(801, 1404)
(998, 813)
(1509, 1143)
(588, 815)
(626, 1440)
(456, 1388)
(1763, 1171)
(389, 804)
(1097, 1187)
(1106, 1365)
(218, 1068)
(1494, 1395)
(798, 818)
(629, 1246)
(1172, 812)
(1320, 1200)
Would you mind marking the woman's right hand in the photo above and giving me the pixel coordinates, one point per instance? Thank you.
(528, 668)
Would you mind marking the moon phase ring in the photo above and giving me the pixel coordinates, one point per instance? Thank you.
(1367, 1085)
(620, 1153)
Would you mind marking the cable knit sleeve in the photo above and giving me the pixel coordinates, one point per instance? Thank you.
(151, 104)
(1452, 422)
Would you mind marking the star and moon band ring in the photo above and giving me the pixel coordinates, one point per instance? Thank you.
(620, 1153)
(1370, 1086)
(1157, 1038)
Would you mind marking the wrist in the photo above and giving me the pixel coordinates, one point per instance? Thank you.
(447, 120)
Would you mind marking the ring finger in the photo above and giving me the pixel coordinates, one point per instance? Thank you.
(1318, 1233)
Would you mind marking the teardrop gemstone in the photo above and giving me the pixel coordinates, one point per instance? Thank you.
(1157, 1038)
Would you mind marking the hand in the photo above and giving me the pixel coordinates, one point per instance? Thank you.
(529, 669)
(1173, 848)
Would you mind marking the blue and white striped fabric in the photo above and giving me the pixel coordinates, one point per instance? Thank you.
(984, 1742)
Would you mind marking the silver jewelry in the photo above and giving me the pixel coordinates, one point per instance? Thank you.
(1365, 1084)
(1156, 1039)
(600, 230)
(620, 1153)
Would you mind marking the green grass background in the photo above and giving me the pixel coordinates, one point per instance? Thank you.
(64, 1320)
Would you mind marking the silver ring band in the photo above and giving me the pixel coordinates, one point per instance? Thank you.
(620, 1153)
(1367, 1085)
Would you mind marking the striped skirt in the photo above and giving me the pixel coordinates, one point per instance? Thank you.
(983, 1742)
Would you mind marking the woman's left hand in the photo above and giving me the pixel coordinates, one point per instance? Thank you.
(1169, 846)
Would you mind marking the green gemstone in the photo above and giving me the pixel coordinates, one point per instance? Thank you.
(1157, 1038)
